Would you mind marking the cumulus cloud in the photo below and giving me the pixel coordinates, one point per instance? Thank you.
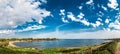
(83, 20)
(81, 15)
(62, 13)
(99, 19)
(105, 8)
(71, 16)
(17, 12)
(80, 7)
(115, 25)
(65, 21)
(113, 4)
(107, 20)
(98, 23)
(89, 2)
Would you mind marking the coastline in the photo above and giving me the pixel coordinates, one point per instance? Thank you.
(100, 48)
(109, 47)
(11, 43)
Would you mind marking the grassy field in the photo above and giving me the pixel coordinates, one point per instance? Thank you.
(10, 50)
(105, 48)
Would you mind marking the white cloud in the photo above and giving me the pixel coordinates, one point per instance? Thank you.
(34, 27)
(100, 13)
(85, 22)
(71, 16)
(81, 15)
(17, 12)
(44, 1)
(113, 4)
(30, 28)
(6, 31)
(106, 29)
(89, 2)
(65, 21)
(62, 12)
(115, 25)
(105, 8)
(99, 19)
(98, 23)
(80, 7)
(107, 20)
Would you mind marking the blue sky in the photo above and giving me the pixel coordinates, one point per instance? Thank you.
(60, 18)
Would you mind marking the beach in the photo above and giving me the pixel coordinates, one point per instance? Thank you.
(11, 43)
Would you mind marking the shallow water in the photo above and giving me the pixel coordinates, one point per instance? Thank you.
(61, 43)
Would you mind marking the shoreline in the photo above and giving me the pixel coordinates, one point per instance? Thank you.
(11, 43)
(103, 48)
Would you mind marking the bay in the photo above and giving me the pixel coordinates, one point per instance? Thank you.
(61, 43)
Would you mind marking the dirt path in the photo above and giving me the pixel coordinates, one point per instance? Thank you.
(117, 51)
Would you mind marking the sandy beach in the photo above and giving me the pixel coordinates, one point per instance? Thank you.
(11, 43)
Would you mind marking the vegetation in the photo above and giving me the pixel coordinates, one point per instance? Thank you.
(109, 48)
(10, 50)
(26, 39)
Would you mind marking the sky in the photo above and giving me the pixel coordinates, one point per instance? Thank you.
(65, 19)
